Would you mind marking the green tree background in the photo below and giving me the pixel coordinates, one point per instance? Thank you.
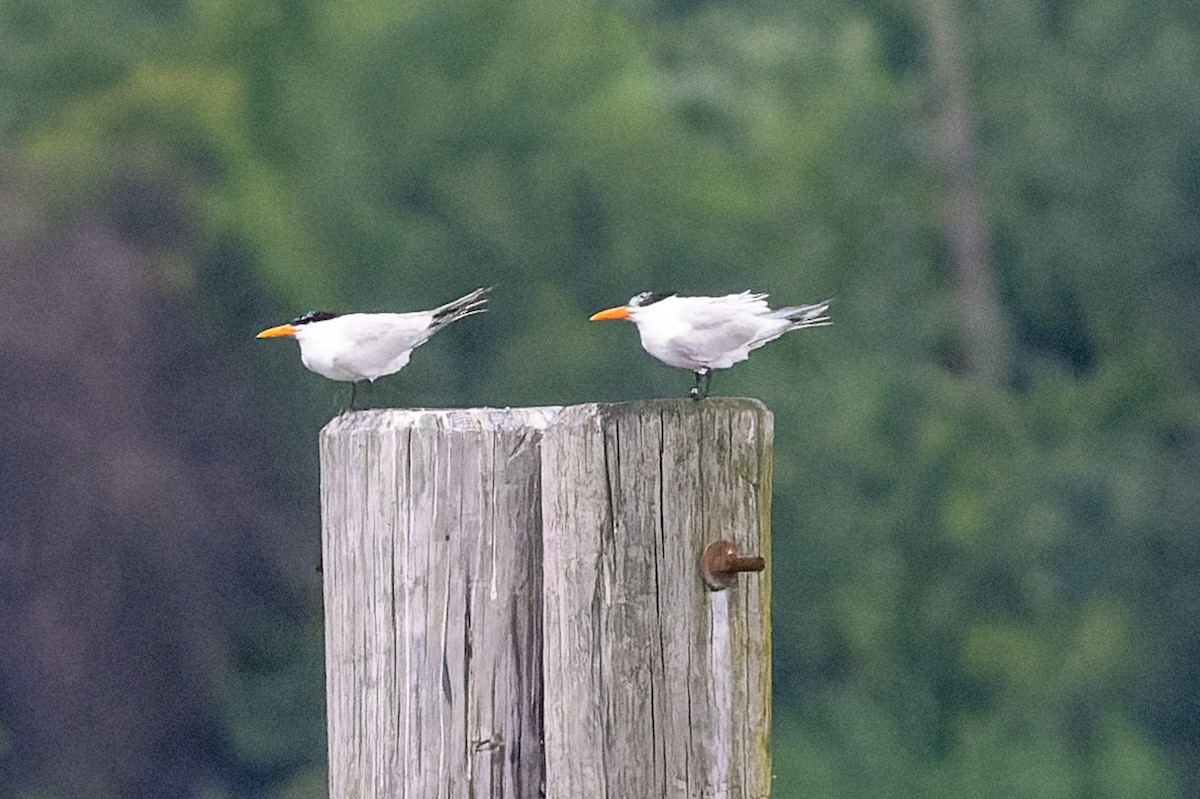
(987, 582)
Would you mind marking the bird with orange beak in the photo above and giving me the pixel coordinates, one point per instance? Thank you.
(707, 333)
(366, 346)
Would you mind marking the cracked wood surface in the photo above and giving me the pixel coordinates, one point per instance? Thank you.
(453, 538)
(432, 577)
(654, 685)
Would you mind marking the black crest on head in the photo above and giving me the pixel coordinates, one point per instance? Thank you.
(313, 316)
(649, 298)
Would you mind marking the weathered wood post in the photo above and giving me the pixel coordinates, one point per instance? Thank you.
(655, 684)
(515, 606)
(432, 572)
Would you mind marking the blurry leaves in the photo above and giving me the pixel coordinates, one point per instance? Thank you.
(271, 705)
(1128, 765)
(170, 118)
(965, 548)
(52, 51)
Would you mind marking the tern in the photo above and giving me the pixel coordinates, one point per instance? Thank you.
(706, 333)
(366, 346)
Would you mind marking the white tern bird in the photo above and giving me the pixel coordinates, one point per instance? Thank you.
(706, 333)
(365, 346)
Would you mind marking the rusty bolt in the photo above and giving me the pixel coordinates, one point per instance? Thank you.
(720, 563)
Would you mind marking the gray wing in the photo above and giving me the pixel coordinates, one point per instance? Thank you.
(725, 329)
(383, 342)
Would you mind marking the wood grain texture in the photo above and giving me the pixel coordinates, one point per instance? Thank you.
(655, 686)
(433, 584)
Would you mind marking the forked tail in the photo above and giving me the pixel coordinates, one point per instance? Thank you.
(471, 304)
(802, 316)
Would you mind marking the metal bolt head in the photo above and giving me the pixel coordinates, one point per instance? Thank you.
(720, 564)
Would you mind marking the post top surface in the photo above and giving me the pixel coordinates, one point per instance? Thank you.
(676, 404)
(537, 417)
(441, 418)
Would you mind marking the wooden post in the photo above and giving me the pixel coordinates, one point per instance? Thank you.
(432, 571)
(446, 658)
(655, 685)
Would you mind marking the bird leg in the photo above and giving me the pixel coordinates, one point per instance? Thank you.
(697, 393)
(353, 391)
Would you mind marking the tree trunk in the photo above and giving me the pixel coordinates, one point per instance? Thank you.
(985, 348)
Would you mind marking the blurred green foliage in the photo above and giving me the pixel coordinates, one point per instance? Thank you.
(981, 591)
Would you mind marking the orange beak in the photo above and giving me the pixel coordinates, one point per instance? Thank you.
(612, 313)
(277, 331)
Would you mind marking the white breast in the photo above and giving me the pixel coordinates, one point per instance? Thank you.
(362, 346)
(706, 332)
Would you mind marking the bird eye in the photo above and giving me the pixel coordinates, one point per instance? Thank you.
(313, 316)
(649, 298)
